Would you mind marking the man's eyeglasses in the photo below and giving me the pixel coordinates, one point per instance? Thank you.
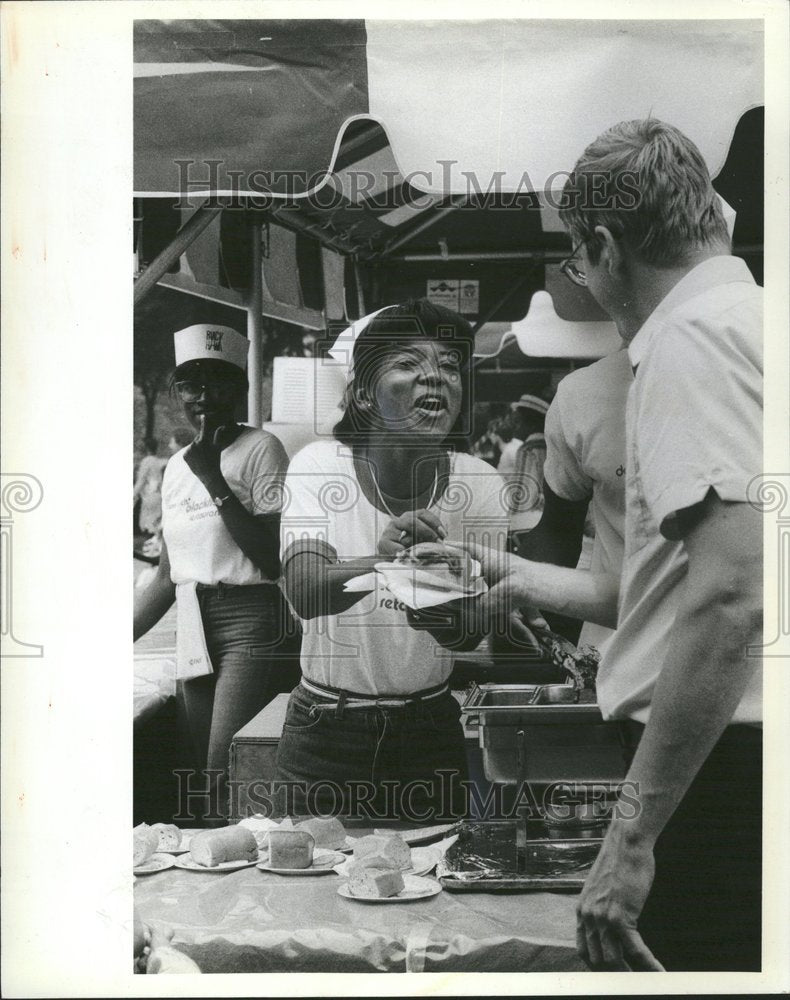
(571, 269)
(190, 390)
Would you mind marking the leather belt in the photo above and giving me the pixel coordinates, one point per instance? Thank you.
(353, 699)
(220, 588)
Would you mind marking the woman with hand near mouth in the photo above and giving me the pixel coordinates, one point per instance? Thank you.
(373, 705)
(221, 502)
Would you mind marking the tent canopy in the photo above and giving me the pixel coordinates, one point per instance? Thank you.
(381, 160)
(263, 105)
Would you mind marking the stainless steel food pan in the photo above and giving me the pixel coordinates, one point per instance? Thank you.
(528, 733)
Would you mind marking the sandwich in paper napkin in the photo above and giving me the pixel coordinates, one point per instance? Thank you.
(425, 576)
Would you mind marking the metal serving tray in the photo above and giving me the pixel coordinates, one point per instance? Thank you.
(486, 858)
(532, 732)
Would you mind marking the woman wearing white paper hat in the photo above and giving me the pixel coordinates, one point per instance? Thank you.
(373, 705)
(221, 500)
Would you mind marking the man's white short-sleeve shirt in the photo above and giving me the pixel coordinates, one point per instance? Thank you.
(694, 421)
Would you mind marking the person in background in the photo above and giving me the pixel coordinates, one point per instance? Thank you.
(221, 502)
(486, 448)
(528, 416)
(374, 706)
(501, 433)
(678, 885)
(148, 490)
(584, 472)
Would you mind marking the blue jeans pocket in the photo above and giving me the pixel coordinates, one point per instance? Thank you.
(301, 717)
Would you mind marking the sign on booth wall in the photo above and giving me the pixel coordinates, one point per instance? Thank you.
(460, 296)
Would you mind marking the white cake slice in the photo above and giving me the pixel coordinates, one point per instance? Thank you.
(328, 832)
(169, 836)
(213, 847)
(389, 846)
(374, 883)
(290, 849)
(146, 841)
(260, 827)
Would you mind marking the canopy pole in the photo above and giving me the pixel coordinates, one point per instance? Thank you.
(255, 329)
(420, 227)
(185, 236)
(360, 294)
(546, 256)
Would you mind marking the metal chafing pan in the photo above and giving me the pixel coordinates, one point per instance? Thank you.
(541, 733)
(485, 858)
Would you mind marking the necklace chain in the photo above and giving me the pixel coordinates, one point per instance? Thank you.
(384, 502)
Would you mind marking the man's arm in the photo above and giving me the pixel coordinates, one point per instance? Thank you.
(520, 583)
(704, 676)
(557, 539)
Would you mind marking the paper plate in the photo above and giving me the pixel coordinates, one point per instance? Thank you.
(414, 888)
(415, 587)
(423, 859)
(184, 861)
(423, 833)
(324, 862)
(156, 863)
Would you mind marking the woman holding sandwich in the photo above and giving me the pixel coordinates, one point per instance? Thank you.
(373, 711)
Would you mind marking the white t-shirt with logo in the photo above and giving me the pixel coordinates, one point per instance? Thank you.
(370, 648)
(586, 458)
(199, 545)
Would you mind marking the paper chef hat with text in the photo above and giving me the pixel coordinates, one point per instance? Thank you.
(205, 340)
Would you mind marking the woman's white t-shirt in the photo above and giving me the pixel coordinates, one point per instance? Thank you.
(199, 545)
(370, 648)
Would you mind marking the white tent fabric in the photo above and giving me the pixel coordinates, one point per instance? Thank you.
(542, 334)
(508, 102)
(522, 98)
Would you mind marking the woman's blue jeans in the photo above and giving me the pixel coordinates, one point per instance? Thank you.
(254, 649)
(372, 762)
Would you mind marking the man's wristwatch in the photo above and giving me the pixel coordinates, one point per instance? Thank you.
(219, 501)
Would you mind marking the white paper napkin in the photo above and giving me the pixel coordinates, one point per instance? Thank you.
(415, 587)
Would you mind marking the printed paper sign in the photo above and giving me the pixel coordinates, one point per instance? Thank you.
(461, 296)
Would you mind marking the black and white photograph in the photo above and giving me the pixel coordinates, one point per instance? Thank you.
(435, 394)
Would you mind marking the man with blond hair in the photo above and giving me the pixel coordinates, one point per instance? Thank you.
(678, 886)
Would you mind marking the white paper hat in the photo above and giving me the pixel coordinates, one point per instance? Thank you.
(343, 348)
(204, 340)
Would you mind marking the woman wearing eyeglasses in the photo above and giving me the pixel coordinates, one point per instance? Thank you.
(221, 501)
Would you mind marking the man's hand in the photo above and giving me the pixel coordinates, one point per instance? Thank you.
(519, 583)
(409, 529)
(506, 585)
(610, 904)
